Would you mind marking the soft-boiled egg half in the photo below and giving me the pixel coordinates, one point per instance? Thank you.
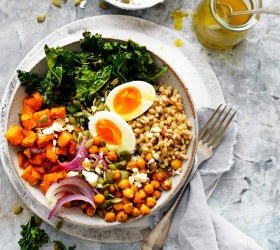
(117, 134)
(131, 99)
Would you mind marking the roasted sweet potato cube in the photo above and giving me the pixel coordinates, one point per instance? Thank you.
(50, 153)
(37, 159)
(35, 101)
(31, 175)
(15, 135)
(64, 139)
(26, 109)
(30, 139)
(28, 121)
(44, 186)
(39, 118)
(21, 159)
(58, 112)
(54, 177)
(27, 152)
(72, 147)
(42, 141)
(61, 151)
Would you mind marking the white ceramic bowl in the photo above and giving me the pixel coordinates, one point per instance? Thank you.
(11, 106)
(135, 4)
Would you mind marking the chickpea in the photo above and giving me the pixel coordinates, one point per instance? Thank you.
(153, 166)
(128, 193)
(99, 199)
(124, 183)
(148, 157)
(118, 194)
(122, 216)
(167, 184)
(161, 176)
(125, 200)
(134, 188)
(110, 217)
(128, 208)
(151, 201)
(93, 149)
(142, 194)
(156, 194)
(77, 129)
(141, 163)
(154, 176)
(137, 199)
(84, 206)
(97, 140)
(103, 150)
(144, 210)
(118, 206)
(149, 188)
(116, 174)
(135, 212)
(143, 171)
(132, 164)
(90, 211)
(112, 155)
(112, 188)
(175, 164)
(155, 184)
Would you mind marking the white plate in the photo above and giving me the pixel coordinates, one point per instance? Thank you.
(135, 4)
(188, 64)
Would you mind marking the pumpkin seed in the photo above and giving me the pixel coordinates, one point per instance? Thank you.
(43, 119)
(115, 81)
(72, 120)
(112, 166)
(89, 109)
(100, 180)
(59, 225)
(110, 195)
(64, 1)
(78, 114)
(55, 246)
(89, 143)
(109, 175)
(106, 107)
(77, 2)
(100, 213)
(116, 200)
(121, 164)
(105, 187)
(93, 108)
(86, 113)
(77, 103)
(94, 101)
(86, 164)
(80, 139)
(106, 193)
(38, 221)
(103, 143)
(125, 154)
(104, 204)
(18, 210)
(56, 3)
(103, 5)
(41, 18)
(86, 133)
(97, 102)
(124, 175)
(116, 186)
(75, 136)
(162, 169)
(101, 107)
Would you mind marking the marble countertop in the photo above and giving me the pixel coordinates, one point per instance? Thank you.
(249, 194)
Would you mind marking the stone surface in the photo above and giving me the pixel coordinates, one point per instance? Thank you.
(249, 194)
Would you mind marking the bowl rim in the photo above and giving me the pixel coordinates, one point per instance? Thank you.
(144, 4)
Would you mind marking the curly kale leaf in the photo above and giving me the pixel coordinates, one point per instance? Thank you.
(88, 82)
(32, 236)
(30, 81)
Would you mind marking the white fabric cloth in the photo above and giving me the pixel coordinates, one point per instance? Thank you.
(194, 225)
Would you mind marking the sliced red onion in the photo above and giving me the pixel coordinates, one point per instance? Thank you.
(79, 158)
(100, 158)
(71, 197)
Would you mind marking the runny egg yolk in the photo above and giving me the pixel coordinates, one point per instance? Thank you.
(109, 132)
(127, 100)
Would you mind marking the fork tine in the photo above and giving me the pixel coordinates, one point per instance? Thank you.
(217, 142)
(208, 122)
(216, 131)
(213, 125)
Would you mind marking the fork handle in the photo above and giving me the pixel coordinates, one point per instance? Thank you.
(156, 238)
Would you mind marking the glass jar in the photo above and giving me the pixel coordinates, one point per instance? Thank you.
(215, 31)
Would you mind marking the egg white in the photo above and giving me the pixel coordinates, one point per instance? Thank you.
(128, 140)
(148, 95)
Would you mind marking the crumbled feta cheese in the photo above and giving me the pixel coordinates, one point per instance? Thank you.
(91, 177)
(149, 135)
(83, 4)
(151, 161)
(86, 164)
(55, 127)
(69, 128)
(66, 119)
(72, 174)
(141, 177)
(137, 178)
(102, 99)
(156, 156)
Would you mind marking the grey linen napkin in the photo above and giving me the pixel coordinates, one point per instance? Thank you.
(194, 225)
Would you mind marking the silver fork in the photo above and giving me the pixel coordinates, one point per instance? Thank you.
(208, 140)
